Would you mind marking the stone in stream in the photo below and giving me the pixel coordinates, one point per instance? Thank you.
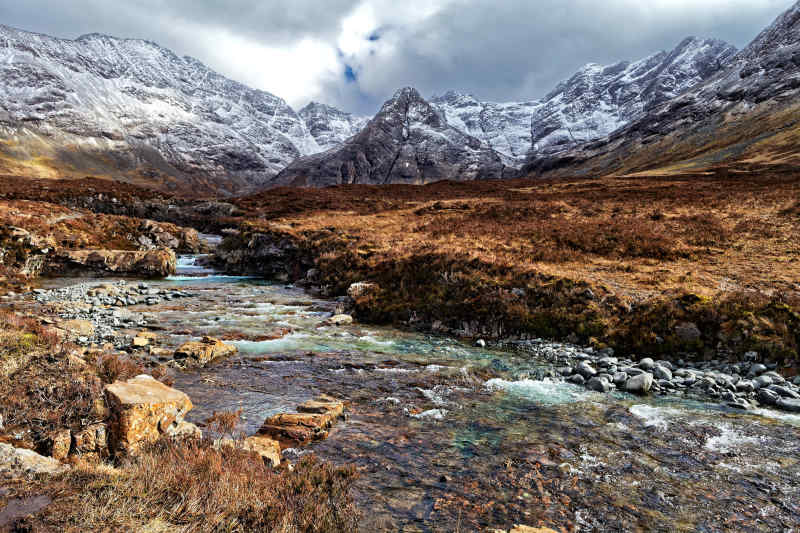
(311, 424)
(646, 364)
(789, 404)
(577, 379)
(585, 369)
(767, 396)
(620, 378)
(142, 410)
(784, 392)
(599, 384)
(762, 381)
(200, 353)
(756, 370)
(339, 320)
(640, 384)
(745, 386)
(662, 372)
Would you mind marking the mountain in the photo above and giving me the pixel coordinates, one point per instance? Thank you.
(329, 126)
(131, 109)
(591, 104)
(747, 113)
(503, 127)
(408, 141)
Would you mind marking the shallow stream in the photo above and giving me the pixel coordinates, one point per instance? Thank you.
(451, 437)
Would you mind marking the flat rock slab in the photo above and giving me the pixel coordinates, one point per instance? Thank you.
(200, 353)
(311, 424)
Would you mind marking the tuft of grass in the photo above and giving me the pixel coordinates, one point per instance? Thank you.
(198, 488)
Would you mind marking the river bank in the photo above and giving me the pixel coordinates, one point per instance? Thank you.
(445, 433)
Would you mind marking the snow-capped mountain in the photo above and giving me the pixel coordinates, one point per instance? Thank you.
(747, 108)
(329, 126)
(408, 141)
(591, 104)
(152, 111)
(503, 127)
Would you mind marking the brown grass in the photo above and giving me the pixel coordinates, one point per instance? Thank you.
(194, 487)
(453, 252)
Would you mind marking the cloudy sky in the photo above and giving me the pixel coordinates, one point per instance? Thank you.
(355, 53)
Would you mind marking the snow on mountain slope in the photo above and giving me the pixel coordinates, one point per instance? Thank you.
(329, 126)
(504, 127)
(591, 104)
(133, 97)
(408, 141)
(747, 110)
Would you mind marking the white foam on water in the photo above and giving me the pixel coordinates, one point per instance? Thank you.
(544, 391)
(396, 370)
(790, 418)
(654, 416)
(435, 414)
(209, 277)
(731, 439)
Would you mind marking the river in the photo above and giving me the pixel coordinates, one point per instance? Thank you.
(452, 437)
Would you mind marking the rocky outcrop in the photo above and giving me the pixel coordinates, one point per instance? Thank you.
(153, 235)
(203, 352)
(149, 264)
(311, 423)
(142, 410)
(408, 141)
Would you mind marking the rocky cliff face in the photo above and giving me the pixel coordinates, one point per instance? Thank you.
(591, 104)
(329, 126)
(745, 111)
(123, 107)
(408, 141)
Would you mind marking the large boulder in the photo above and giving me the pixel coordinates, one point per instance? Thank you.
(142, 410)
(640, 384)
(150, 263)
(202, 352)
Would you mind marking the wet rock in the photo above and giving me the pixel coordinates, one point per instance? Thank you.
(756, 370)
(339, 320)
(200, 353)
(361, 289)
(662, 372)
(775, 377)
(599, 384)
(646, 364)
(577, 379)
(762, 381)
(767, 397)
(784, 392)
(620, 378)
(142, 409)
(480, 343)
(789, 404)
(585, 369)
(745, 386)
(311, 424)
(740, 403)
(640, 384)
(16, 462)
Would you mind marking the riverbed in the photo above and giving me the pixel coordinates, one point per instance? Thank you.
(453, 437)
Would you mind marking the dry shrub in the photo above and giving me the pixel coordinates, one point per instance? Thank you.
(112, 367)
(224, 423)
(202, 489)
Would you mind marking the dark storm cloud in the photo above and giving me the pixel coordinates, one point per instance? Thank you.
(496, 50)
